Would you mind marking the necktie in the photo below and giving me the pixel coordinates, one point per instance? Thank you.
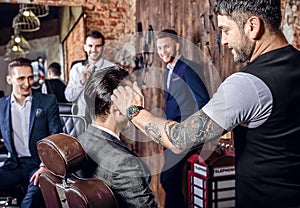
(94, 68)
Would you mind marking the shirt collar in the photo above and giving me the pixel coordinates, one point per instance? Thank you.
(170, 67)
(98, 64)
(13, 99)
(106, 130)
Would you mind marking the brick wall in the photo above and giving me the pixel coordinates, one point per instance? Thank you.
(291, 21)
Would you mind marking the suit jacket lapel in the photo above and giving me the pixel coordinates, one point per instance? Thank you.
(34, 106)
(7, 116)
(5, 120)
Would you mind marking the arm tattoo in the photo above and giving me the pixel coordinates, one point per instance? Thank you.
(194, 131)
(153, 132)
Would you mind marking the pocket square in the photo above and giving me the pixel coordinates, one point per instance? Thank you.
(39, 113)
(175, 79)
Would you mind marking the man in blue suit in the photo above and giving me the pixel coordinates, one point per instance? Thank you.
(25, 118)
(185, 93)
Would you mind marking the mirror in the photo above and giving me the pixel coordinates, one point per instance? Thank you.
(47, 42)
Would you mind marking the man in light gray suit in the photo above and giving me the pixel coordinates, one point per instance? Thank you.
(109, 159)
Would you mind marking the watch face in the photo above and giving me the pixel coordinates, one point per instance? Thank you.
(132, 111)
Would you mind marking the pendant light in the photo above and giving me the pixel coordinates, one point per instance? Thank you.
(17, 46)
(26, 21)
(38, 10)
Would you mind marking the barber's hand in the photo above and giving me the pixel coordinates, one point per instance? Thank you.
(36, 175)
(123, 97)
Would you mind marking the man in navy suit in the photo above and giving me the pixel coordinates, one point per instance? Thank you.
(185, 93)
(25, 118)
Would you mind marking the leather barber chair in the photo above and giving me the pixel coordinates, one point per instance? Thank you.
(63, 155)
(72, 124)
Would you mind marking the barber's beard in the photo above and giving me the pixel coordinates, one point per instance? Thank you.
(244, 50)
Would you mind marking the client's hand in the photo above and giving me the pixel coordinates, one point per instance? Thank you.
(36, 175)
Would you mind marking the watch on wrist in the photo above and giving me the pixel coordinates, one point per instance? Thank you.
(133, 111)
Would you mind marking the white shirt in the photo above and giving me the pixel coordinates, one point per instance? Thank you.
(171, 68)
(74, 89)
(20, 119)
(241, 99)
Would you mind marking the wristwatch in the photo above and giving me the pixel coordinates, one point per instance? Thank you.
(133, 111)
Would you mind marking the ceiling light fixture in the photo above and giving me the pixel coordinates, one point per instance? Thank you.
(38, 10)
(17, 46)
(26, 21)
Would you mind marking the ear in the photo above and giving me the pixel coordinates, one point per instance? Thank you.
(253, 28)
(85, 47)
(113, 110)
(8, 79)
(177, 46)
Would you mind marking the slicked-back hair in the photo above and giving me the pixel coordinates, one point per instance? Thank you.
(99, 88)
(168, 33)
(96, 34)
(55, 68)
(269, 11)
(18, 62)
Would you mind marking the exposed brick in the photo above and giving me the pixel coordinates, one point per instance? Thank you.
(121, 9)
(116, 15)
(101, 8)
(111, 23)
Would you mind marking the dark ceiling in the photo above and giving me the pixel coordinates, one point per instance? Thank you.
(49, 24)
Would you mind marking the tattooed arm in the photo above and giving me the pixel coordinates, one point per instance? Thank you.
(178, 137)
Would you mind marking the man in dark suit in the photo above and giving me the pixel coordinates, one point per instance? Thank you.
(185, 93)
(54, 84)
(123, 171)
(25, 118)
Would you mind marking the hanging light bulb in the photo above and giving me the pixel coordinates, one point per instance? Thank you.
(26, 21)
(18, 41)
(38, 10)
(17, 46)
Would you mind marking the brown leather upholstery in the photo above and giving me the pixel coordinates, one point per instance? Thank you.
(62, 154)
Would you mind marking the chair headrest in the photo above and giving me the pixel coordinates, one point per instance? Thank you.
(65, 108)
(62, 154)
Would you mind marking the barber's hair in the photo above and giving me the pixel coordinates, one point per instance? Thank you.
(100, 87)
(55, 68)
(168, 33)
(269, 11)
(18, 62)
(96, 34)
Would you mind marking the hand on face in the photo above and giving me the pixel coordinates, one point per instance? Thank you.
(123, 97)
